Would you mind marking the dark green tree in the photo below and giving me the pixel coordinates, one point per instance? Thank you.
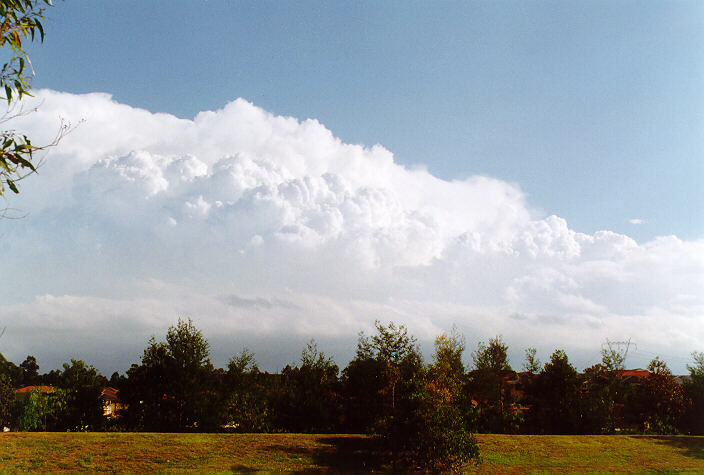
(82, 384)
(555, 397)
(7, 402)
(603, 394)
(528, 381)
(146, 391)
(694, 390)
(11, 371)
(116, 380)
(30, 371)
(383, 384)
(597, 400)
(492, 357)
(309, 398)
(487, 385)
(663, 400)
(175, 387)
(246, 405)
(192, 374)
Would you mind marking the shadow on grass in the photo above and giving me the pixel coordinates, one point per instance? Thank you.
(688, 445)
(353, 453)
(242, 469)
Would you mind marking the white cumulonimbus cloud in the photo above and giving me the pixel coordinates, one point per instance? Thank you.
(261, 226)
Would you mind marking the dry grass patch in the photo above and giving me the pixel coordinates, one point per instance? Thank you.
(137, 452)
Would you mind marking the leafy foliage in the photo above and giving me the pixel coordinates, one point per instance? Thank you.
(7, 400)
(41, 412)
(82, 385)
(246, 405)
(664, 400)
(11, 371)
(603, 394)
(173, 387)
(30, 371)
(381, 377)
(486, 383)
(383, 386)
(532, 364)
(32, 414)
(611, 358)
(694, 390)
(309, 399)
(190, 375)
(21, 20)
(492, 357)
(443, 440)
(555, 396)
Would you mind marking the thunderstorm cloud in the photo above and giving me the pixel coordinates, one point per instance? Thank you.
(264, 227)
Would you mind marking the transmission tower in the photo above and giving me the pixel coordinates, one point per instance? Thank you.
(619, 348)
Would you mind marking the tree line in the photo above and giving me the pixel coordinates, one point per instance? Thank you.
(424, 412)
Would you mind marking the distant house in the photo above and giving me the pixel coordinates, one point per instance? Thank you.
(512, 386)
(23, 393)
(633, 376)
(111, 402)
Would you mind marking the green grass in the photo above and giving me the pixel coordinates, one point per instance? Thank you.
(97, 452)
(601, 453)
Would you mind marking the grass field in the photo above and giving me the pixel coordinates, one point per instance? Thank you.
(247, 452)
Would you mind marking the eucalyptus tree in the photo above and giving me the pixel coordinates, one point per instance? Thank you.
(21, 20)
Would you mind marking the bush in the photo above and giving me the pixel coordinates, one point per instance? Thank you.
(443, 441)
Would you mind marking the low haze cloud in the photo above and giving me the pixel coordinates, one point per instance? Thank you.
(260, 226)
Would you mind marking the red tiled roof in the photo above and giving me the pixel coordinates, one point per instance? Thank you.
(638, 373)
(29, 389)
(109, 393)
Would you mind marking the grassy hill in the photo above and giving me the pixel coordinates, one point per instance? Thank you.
(245, 452)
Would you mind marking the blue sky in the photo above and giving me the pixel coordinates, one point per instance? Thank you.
(525, 169)
(595, 109)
